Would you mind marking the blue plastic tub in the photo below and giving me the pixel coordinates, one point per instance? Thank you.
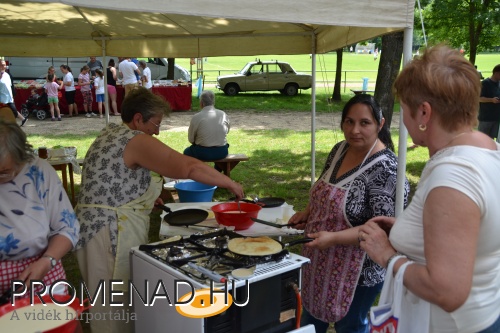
(192, 191)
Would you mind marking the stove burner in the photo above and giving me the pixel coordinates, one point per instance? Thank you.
(208, 250)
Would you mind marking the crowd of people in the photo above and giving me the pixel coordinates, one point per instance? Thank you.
(445, 237)
(90, 78)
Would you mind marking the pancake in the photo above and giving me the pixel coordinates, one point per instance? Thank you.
(254, 246)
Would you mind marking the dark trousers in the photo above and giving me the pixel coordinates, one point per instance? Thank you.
(207, 153)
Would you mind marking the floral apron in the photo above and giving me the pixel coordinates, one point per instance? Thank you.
(133, 226)
(330, 280)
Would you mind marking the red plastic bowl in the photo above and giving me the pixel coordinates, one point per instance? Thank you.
(241, 221)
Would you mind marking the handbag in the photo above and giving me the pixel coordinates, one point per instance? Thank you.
(399, 310)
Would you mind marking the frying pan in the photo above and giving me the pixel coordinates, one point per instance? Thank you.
(183, 217)
(275, 246)
(276, 225)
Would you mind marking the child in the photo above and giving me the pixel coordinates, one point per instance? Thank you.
(99, 89)
(33, 99)
(51, 87)
(84, 83)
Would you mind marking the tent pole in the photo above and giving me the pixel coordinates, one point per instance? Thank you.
(313, 110)
(403, 133)
(105, 70)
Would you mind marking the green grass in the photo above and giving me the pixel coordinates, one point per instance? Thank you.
(356, 65)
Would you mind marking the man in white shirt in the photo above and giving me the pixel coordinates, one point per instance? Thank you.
(127, 70)
(208, 130)
(7, 80)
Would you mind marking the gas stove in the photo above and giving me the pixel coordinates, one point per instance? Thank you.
(272, 304)
(209, 250)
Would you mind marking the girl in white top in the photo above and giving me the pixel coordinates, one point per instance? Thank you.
(451, 227)
(69, 89)
(99, 89)
(146, 75)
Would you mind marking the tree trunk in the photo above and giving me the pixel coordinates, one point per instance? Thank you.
(171, 66)
(338, 77)
(388, 70)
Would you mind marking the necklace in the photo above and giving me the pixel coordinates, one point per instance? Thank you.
(456, 136)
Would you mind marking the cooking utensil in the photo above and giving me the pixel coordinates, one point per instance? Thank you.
(269, 202)
(227, 214)
(208, 273)
(276, 225)
(183, 217)
(269, 247)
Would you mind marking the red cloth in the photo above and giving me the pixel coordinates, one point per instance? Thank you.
(178, 97)
(11, 269)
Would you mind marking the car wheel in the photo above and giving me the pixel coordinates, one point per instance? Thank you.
(24, 111)
(231, 89)
(291, 89)
(41, 114)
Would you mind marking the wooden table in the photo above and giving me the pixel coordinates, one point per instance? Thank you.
(66, 168)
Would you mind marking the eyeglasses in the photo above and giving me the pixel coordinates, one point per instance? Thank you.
(157, 125)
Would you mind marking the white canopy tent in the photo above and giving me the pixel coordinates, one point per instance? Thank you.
(196, 28)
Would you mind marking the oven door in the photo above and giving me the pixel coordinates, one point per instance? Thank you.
(271, 307)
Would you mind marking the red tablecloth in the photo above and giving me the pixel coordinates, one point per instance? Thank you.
(178, 97)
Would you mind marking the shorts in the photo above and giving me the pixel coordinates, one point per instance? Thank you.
(99, 98)
(111, 90)
(70, 96)
(53, 100)
(87, 98)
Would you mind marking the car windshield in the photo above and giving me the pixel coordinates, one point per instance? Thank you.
(245, 69)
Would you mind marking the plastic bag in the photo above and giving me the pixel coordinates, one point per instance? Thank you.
(399, 310)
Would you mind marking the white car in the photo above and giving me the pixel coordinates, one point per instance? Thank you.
(265, 76)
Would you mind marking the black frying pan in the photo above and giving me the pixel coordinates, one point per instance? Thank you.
(281, 246)
(184, 217)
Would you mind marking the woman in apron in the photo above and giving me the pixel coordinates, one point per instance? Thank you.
(37, 223)
(120, 185)
(358, 182)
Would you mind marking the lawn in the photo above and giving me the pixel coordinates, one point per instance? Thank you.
(356, 66)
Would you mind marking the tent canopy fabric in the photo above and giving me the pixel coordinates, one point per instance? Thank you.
(193, 28)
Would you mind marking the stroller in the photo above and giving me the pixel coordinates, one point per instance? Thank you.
(37, 105)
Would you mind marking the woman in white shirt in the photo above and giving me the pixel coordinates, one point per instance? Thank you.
(146, 75)
(450, 229)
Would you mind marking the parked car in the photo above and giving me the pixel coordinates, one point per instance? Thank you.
(265, 76)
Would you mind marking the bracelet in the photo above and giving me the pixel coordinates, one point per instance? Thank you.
(394, 256)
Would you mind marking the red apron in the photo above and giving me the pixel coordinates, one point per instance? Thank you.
(330, 280)
(11, 269)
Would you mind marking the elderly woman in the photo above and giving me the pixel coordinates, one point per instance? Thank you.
(37, 223)
(119, 190)
(358, 182)
(450, 229)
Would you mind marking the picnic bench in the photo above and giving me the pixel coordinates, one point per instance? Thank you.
(357, 92)
(229, 162)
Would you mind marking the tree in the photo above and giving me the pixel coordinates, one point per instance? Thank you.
(472, 24)
(388, 70)
(338, 76)
(171, 68)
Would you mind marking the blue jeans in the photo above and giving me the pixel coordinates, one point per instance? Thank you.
(207, 153)
(495, 328)
(356, 319)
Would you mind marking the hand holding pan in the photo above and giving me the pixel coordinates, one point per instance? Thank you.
(276, 225)
(183, 217)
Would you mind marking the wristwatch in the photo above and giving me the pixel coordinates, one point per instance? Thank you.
(53, 261)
